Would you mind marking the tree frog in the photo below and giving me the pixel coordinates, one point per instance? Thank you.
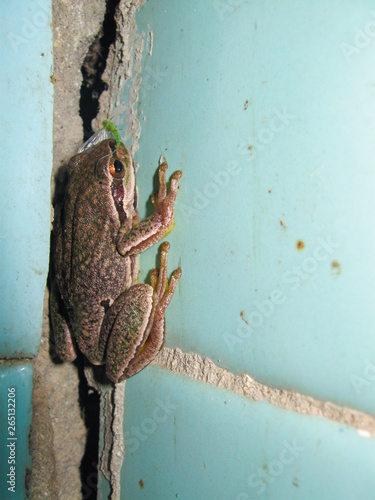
(96, 304)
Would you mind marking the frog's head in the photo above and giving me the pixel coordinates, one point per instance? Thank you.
(116, 167)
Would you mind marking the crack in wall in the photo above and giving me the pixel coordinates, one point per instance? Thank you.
(123, 63)
(205, 370)
(93, 67)
(111, 439)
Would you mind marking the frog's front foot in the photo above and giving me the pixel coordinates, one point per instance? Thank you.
(139, 333)
(158, 225)
(163, 202)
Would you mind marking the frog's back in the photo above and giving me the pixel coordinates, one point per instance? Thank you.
(97, 268)
(87, 261)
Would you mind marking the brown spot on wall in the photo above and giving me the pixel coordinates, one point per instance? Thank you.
(300, 245)
(335, 268)
(243, 317)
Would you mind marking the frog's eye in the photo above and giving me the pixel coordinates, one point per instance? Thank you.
(117, 169)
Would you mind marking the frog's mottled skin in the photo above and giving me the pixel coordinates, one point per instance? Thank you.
(95, 302)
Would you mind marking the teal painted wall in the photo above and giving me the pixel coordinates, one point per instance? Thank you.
(268, 108)
(186, 439)
(26, 163)
(278, 78)
(15, 419)
(26, 159)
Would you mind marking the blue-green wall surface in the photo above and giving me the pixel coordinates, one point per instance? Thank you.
(268, 108)
(15, 420)
(26, 161)
(185, 439)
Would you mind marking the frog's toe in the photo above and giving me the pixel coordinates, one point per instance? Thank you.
(169, 290)
(154, 278)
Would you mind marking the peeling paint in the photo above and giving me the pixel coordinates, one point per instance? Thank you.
(111, 448)
(118, 449)
(106, 419)
(134, 126)
(205, 370)
(123, 63)
(151, 34)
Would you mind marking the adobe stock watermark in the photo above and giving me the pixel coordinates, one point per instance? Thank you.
(200, 198)
(152, 78)
(29, 27)
(277, 123)
(136, 435)
(359, 382)
(361, 39)
(293, 278)
(224, 7)
(260, 479)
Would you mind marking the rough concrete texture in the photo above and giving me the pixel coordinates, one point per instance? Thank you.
(58, 430)
(75, 25)
(123, 62)
(205, 370)
(111, 439)
(118, 449)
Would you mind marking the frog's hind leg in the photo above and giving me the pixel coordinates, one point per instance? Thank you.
(156, 337)
(127, 326)
(64, 343)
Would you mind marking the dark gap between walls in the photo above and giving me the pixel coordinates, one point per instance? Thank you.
(92, 87)
(89, 401)
(93, 67)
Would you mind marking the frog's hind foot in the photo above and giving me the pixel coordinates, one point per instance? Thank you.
(159, 280)
(163, 292)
